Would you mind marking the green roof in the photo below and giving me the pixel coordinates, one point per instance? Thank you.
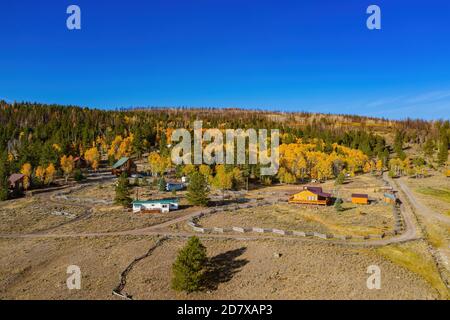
(164, 201)
(120, 163)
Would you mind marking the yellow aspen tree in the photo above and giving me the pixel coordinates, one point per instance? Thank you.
(67, 166)
(49, 174)
(93, 157)
(26, 171)
(40, 174)
(114, 148)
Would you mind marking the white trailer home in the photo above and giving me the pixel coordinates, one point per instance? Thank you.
(155, 206)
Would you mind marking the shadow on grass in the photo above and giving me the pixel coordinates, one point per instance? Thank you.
(222, 268)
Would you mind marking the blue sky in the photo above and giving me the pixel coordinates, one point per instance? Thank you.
(284, 55)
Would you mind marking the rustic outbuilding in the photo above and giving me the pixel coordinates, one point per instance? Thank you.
(360, 198)
(16, 181)
(124, 164)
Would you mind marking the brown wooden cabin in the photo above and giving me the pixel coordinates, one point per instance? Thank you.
(360, 198)
(124, 164)
(311, 195)
(16, 181)
(80, 163)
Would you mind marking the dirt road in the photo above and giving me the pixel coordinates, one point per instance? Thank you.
(420, 208)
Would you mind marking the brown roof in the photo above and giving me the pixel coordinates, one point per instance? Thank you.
(15, 177)
(360, 195)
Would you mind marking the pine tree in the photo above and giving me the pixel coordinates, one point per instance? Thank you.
(443, 151)
(340, 179)
(123, 191)
(197, 193)
(398, 145)
(189, 267)
(3, 178)
(162, 184)
(338, 205)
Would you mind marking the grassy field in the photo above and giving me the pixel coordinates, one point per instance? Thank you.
(442, 194)
(433, 191)
(414, 257)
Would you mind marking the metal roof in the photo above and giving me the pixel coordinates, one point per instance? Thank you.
(360, 195)
(15, 177)
(120, 163)
(164, 201)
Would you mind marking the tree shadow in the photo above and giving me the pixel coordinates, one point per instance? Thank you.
(222, 268)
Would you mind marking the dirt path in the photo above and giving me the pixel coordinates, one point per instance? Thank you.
(420, 208)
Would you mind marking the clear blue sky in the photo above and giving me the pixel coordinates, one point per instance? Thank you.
(312, 55)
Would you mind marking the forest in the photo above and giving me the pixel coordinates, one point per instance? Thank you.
(42, 141)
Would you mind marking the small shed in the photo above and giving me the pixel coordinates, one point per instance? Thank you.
(16, 181)
(155, 206)
(390, 198)
(447, 173)
(360, 198)
(124, 164)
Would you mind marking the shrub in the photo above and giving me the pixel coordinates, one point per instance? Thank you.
(338, 205)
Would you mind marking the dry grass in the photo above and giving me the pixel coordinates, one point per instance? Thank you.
(36, 269)
(414, 257)
(355, 220)
(432, 191)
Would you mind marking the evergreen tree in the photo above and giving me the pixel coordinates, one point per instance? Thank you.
(338, 205)
(123, 191)
(3, 177)
(428, 148)
(443, 151)
(162, 184)
(197, 193)
(189, 267)
(340, 179)
(398, 145)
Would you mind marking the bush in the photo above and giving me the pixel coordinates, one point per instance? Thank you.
(78, 175)
(338, 205)
(189, 267)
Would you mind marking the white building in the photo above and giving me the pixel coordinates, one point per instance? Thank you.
(162, 205)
